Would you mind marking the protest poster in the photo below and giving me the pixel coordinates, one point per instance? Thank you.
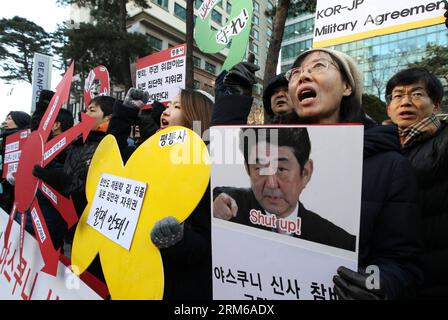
(162, 74)
(13, 149)
(21, 277)
(341, 21)
(96, 84)
(292, 219)
(234, 34)
(116, 208)
(37, 150)
(177, 154)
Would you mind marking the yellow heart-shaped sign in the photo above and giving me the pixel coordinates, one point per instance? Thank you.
(174, 163)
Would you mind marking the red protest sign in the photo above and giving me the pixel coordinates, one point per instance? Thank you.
(162, 74)
(96, 84)
(38, 151)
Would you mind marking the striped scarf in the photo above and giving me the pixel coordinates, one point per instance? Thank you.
(419, 131)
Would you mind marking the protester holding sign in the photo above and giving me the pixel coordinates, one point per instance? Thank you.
(57, 226)
(413, 98)
(14, 122)
(185, 247)
(326, 87)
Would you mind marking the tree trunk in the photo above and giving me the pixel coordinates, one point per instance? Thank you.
(189, 76)
(126, 65)
(276, 40)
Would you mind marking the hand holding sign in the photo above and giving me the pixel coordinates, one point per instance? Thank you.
(136, 271)
(351, 285)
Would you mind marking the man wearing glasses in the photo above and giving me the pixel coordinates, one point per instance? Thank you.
(414, 98)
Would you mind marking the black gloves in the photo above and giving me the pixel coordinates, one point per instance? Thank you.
(351, 285)
(167, 232)
(56, 178)
(136, 98)
(239, 80)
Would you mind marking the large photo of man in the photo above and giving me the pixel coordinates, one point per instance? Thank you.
(278, 164)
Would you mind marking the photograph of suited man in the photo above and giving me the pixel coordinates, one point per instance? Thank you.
(279, 169)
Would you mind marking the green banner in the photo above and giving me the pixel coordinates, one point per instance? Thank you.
(236, 31)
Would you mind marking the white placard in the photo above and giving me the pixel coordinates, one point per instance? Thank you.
(23, 280)
(116, 208)
(162, 74)
(55, 148)
(12, 147)
(247, 265)
(12, 157)
(12, 167)
(251, 248)
(341, 21)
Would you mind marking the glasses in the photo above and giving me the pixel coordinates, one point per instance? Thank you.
(399, 96)
(316, 67)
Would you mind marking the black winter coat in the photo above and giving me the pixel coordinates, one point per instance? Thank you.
(390, 218)
(430, 161)
(76, 166)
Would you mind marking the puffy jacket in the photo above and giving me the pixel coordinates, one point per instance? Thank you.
(77, 165)
(430, 161)
(390, 218)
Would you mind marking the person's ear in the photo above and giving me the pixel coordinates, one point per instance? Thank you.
(107, 118)
(388, 110)
(347, 90)
(436, 107)
(307, 172)
(56, 126)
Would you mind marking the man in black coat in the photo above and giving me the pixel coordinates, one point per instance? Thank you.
(279, 169)
(414, 97)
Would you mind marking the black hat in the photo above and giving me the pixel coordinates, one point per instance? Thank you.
(157, 110)
(278, 81)
(21, 119)
(44, 99)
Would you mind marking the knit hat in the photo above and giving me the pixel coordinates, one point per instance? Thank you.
(349, 68)
(278, 81)
(21, 119)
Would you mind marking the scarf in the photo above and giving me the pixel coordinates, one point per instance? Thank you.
(419, 131)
